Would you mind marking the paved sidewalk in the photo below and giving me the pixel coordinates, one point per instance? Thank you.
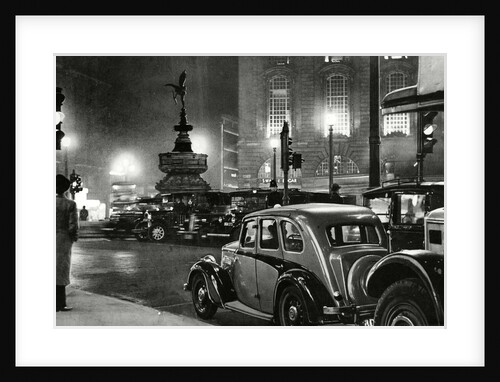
(91, 309)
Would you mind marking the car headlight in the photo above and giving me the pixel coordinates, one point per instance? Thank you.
(226, 261)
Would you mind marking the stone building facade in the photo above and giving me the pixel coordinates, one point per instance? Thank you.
(314, 93)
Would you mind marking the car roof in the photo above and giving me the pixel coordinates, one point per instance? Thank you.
(314, 210)
(438, 213)
(388, 188)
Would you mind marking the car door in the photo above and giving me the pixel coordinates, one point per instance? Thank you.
(406, 229)
(244, 274)
(269, 262)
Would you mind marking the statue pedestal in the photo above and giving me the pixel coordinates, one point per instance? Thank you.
(183, 171)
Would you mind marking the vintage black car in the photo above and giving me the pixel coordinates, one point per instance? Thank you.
(302, 264)
(410, 283)
(182, 215)
(128, 220)
(401, 205)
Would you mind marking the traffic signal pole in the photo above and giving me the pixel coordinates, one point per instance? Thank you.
(285, 153)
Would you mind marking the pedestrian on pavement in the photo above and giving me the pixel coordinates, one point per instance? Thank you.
(84, 214)
(334, 195)
(66, 235)
(274, 198)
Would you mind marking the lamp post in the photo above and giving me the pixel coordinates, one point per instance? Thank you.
(330, 163)
(330, 118)
(66, 142)
(274, 144)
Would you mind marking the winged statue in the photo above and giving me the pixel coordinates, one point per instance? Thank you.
(181, 89)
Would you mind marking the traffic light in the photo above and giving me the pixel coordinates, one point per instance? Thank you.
(428, 128)
(76, 182)
(59, 136)
(286, 149)
(59, 117)
(297, 161)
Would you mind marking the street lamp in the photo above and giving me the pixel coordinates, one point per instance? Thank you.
(274, 144)
(66, 142)
(123, 167)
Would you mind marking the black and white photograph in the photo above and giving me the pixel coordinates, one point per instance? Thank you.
(244, 194)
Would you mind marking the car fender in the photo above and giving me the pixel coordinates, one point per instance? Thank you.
(356, 280)
(313, 292)
(424, 265)
(220, 286)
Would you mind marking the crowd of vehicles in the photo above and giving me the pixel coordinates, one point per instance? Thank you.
(206, 218)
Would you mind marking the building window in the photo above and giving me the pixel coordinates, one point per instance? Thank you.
(279, 60)
(341, 166)
(279, 105)
(396, 124)
(265, 173)
(337, 105)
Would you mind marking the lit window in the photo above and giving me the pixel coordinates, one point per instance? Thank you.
(279, 60)
(341, 165)
(279, 105)
(337, 105)
(396, 124)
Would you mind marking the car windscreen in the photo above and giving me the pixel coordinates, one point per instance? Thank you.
(379, 205)
(348, 234)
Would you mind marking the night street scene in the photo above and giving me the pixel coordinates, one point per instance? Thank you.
(209, 185)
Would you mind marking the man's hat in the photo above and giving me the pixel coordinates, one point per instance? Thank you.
(335, 187)
(62, 183)
(273, 183)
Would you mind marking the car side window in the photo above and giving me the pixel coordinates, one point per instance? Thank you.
(292, 238)
(269, 234)
(249, 234)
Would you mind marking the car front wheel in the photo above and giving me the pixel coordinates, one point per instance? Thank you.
(292, 310)
(405, 303)
(157, 232)
(203, 306)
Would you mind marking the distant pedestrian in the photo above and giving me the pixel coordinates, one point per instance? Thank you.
(274, 198)
(84, 214)
(334, 195)
(66, 235)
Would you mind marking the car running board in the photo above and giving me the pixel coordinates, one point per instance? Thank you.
(242, 308)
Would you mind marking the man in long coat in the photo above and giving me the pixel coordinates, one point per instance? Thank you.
(66, 235)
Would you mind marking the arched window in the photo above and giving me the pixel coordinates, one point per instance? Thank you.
(342, 165)
(279, 104)
(396, 124)
(337, 105)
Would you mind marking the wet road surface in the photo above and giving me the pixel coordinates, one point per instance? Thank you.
(151, 274)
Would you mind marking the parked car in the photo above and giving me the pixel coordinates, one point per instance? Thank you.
(409, 284)
(401, 205)
(302, 264)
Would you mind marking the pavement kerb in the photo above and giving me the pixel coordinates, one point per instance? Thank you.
(91, 309)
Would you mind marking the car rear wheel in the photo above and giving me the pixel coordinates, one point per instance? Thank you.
(203, 306)
(405, 303)
(292, 310)
(143, 236)
(157, 232)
